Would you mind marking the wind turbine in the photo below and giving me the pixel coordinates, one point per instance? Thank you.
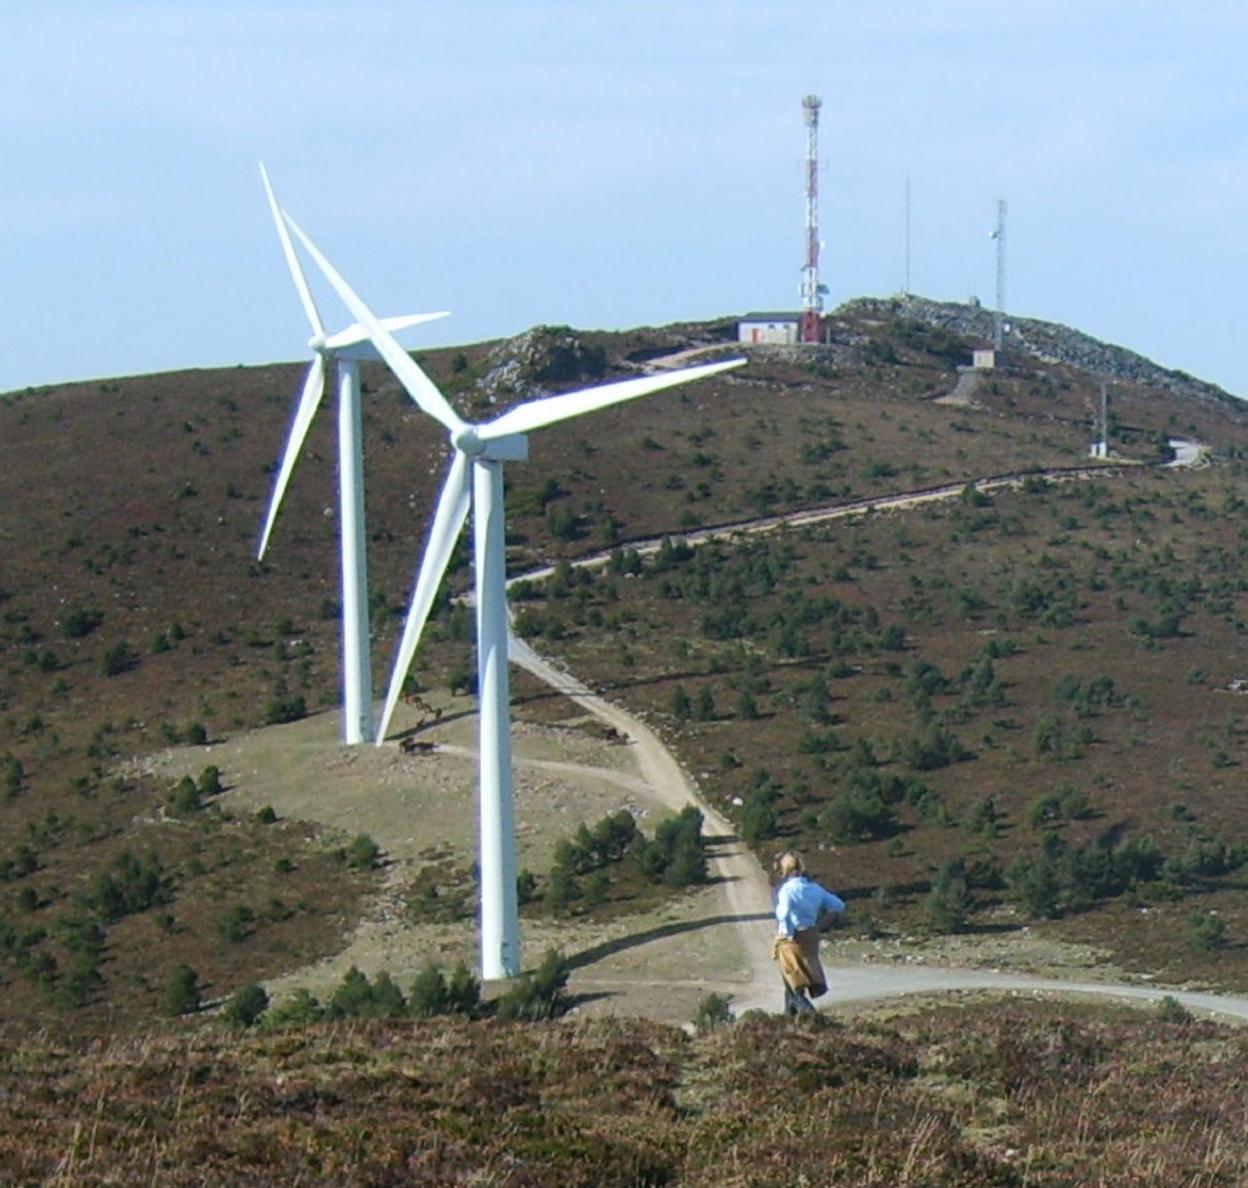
(476, 479)
(348, 347)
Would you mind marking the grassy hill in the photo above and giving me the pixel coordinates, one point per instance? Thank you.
(1039, 675)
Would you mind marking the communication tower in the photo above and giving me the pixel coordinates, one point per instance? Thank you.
(812, 291)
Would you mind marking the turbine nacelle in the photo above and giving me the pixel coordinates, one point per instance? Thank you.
(510, 447)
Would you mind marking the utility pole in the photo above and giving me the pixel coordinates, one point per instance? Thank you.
(812, 292)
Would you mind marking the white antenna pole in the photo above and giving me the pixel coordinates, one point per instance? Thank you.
(906, 290)
(998, 326)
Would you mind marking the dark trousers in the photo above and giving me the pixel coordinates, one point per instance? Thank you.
(796, 1002)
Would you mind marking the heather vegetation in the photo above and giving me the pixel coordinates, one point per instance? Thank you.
(977, 1096)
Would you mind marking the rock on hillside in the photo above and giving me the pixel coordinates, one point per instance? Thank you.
(1045, 341)
(543, 355)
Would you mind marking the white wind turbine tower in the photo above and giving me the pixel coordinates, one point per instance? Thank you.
(476, 479)
(348, 347)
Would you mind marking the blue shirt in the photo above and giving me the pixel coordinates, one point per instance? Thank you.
(800, 902)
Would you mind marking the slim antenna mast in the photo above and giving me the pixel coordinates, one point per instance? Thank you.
(998, 323)
(812, 296)
(906, 290)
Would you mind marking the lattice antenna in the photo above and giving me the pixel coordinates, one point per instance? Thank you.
(812, 292)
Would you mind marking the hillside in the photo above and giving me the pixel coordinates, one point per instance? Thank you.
(1038, 673)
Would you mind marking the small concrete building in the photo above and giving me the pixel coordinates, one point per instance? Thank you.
(777, 329)
(984, 360)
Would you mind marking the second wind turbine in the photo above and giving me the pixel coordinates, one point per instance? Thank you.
(476, 479)
(349, 347)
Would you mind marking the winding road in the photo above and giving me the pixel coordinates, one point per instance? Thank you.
(745, 920)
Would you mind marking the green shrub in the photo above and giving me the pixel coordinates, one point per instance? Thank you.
(121, 657)
(182, 992)
(429, 994)
(357, 998)
(81, 981)
(539, 995)
(362, 853)
(757, 820)
(676, 856)
(246, 1005)
(80, 621)
(714, 1012)
(949, 903)
(130, 884)
(857, 815)
(299, 1010)
(1171, 1010)
(210, 781)
(284, 708)
(936, 747)
(434, 994)
(562, 889)
(1204, 932)
(185, 798)
(235, 924)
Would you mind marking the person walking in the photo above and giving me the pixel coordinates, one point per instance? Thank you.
(803, 910)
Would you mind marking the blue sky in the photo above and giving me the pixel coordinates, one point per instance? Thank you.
(611, 165)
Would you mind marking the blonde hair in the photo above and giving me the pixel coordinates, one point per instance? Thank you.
(790, 863)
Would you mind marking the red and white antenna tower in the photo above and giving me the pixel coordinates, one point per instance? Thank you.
(812, 293)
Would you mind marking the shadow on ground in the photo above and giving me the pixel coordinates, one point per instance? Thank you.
(609, 948)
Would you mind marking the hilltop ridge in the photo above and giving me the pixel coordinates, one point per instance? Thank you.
(1047, 342)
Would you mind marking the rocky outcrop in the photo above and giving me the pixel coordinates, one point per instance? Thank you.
(1047, 342)
(527, 364)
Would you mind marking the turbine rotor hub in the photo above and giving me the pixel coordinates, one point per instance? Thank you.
(467, 442)
(317, 343)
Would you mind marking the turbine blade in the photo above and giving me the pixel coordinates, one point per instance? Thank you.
(292, 261)
(538, 413)
(448, 522)
(354, 334)
(403, 321)
(309, 402)
(419, 386)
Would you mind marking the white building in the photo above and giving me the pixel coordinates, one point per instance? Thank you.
(984, 359)
(777, 329)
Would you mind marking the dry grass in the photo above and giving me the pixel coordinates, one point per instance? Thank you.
(981, 1096)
